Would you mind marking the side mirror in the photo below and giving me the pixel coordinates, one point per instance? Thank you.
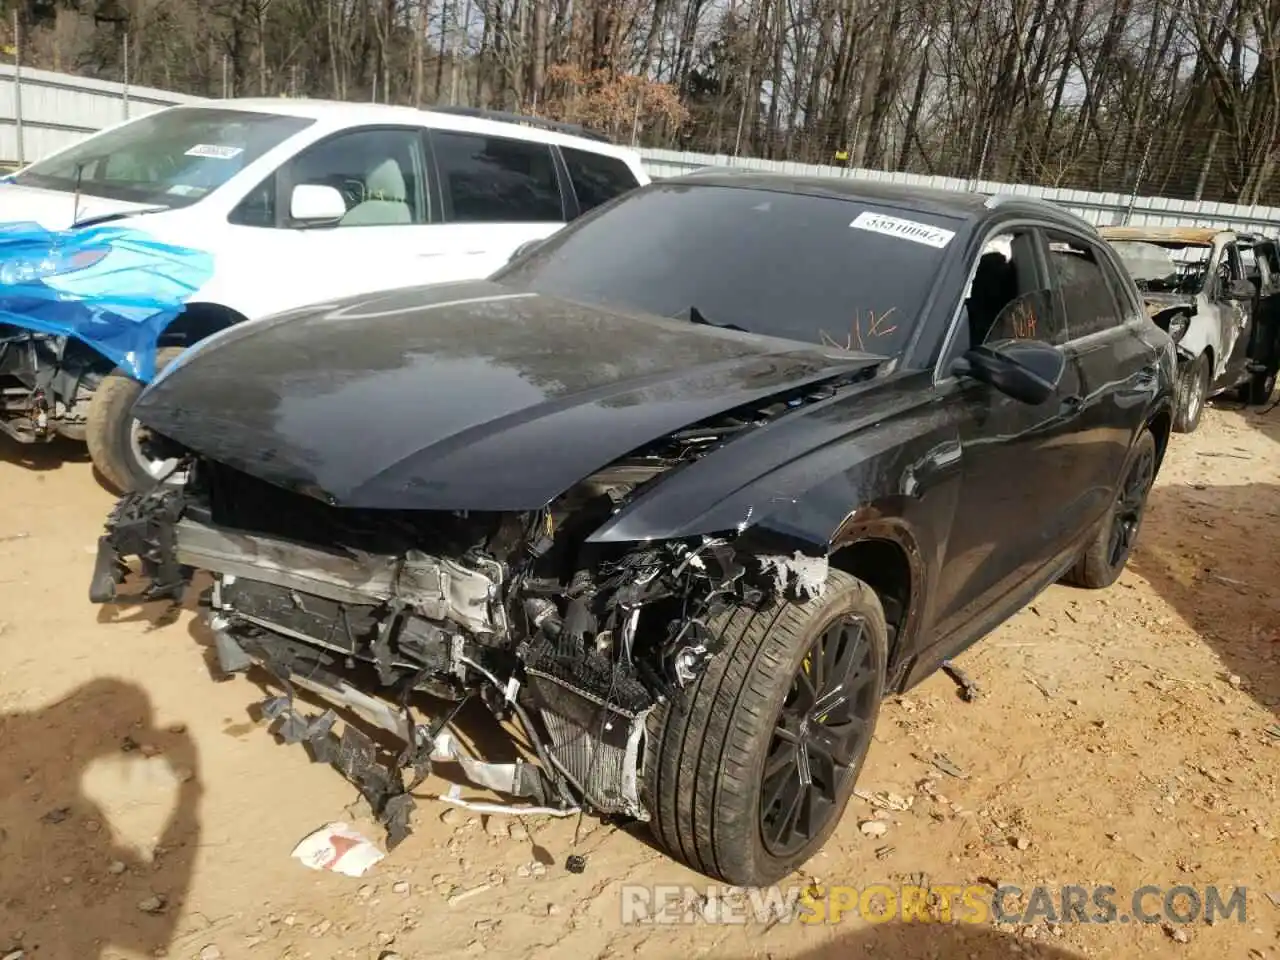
(524, 248)
(314, 204)
(1027, 370)
(1239, 290)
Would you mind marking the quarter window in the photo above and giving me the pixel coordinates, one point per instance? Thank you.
(596, 178)
(378, 173)
(496, 180)
(1082, 285)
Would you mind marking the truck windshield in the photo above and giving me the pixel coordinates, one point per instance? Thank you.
(1165, 267)
(835, 271)
(171, 158)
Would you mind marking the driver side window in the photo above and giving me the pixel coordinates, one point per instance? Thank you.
(1007, 298)
(378, 172)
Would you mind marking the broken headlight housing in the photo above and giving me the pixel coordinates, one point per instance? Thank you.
(1178, 326)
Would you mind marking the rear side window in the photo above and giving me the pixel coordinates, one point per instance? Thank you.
(596, 178)
(1081, 280)
(496, 180)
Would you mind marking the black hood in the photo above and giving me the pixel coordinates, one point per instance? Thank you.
(460, 396)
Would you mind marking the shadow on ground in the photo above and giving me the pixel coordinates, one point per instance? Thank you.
(116, 898)
(42, 456)
(935, 941)
(1211, 552)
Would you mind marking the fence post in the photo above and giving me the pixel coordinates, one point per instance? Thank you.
(17, 87)
(1137, 182)
(124, 90)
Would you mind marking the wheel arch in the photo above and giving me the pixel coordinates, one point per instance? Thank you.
(883, 553)
(1160, 423)
(198, 321)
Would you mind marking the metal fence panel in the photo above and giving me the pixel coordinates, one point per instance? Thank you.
(58, 109)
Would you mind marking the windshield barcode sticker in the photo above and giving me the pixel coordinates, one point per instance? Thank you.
(214, 152)
(906, 229)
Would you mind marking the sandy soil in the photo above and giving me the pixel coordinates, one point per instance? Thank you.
(1121, 738)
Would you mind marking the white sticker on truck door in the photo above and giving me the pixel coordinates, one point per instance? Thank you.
(912, 230)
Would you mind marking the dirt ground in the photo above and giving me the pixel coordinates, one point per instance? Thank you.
(1122, 738)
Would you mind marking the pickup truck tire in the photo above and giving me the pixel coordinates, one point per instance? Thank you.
(109, 428)
(1104, 559)
(1258, 389)
(1193, 391)
(794, 684)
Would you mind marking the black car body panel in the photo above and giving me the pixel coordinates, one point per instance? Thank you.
(562, 389)
(569, 489)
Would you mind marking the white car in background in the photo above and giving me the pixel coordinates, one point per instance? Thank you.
(296, 202)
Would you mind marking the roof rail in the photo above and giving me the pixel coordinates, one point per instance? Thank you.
(995, 200)
(501, 116)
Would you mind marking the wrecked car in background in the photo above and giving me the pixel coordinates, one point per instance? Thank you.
(73, 303)
(1198, 287)
(294, 200)
(682, 493)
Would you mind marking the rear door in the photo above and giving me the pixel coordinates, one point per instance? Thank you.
(1111, 346)
(494, 194)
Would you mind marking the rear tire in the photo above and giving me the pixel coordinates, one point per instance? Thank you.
(1259, 387)
(705, 779)
(1105, 558)
(110, 429)
(1193, 391)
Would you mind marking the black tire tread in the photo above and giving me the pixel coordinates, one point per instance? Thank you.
(1182, 423)
(106, 427)
(700, 785)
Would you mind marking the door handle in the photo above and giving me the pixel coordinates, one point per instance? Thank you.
(1071, 404)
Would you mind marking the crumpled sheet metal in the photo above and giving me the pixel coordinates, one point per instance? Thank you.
(113, 288)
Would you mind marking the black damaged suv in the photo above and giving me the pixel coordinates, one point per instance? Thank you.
(683, 492)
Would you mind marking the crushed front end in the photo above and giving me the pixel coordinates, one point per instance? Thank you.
(572, 644)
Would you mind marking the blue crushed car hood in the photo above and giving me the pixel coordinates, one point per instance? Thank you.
(112, 287)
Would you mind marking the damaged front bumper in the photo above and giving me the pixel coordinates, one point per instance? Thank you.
(310, 617)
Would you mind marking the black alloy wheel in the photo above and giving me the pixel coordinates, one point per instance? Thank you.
(819, 738)
(1131, 501)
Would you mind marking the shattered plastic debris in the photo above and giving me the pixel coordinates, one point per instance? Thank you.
(338, 848)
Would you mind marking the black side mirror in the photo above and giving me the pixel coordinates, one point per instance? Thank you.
(1027, 370)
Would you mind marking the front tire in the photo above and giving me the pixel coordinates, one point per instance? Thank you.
(793, 695)
(1105, 558)
(1193, 391)
(117, 444)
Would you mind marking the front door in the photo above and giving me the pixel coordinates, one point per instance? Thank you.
(1017, 461)
(379, 244)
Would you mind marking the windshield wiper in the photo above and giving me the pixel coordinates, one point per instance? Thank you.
(117, 215)
(697, 316)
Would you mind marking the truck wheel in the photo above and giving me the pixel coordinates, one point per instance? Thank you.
(1105, 558)
(1193, 390)
(749, 771)
(120, 447)
(1259, 387)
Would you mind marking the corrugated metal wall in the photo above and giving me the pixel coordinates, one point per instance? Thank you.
(1099, 208)
(58, 109)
